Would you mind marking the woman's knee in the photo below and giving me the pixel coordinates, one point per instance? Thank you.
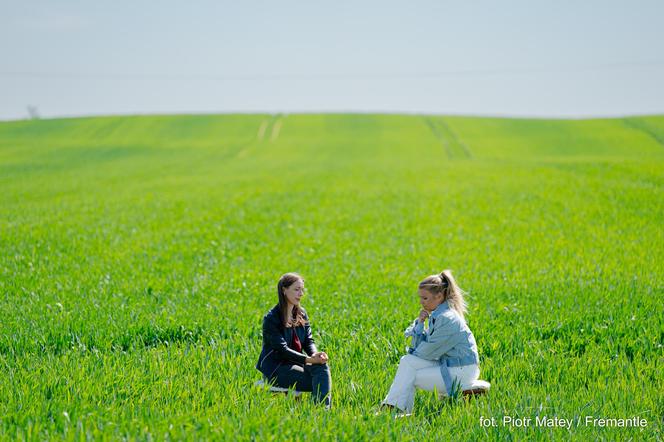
(430, 379)
(288, 376)
(321, 370)
(407, 360)
(319, 367)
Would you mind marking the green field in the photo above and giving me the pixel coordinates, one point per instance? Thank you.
(139, 254)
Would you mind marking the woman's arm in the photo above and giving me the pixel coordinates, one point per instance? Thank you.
(439, 341)
(415, 329)
(308, 345)
(276, 342)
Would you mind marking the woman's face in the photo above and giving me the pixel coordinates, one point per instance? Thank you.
(295, 292)
(429, 301)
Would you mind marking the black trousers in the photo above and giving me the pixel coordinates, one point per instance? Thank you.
(314, 378)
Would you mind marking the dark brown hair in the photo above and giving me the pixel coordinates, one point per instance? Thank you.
(297, 318)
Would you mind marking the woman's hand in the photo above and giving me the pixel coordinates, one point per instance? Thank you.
(423, 315)
(317, 358)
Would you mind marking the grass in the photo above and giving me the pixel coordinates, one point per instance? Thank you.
(139, 254)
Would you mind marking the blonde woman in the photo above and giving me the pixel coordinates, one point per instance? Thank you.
(442, 357)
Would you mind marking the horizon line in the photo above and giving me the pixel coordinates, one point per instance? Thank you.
(348, 112)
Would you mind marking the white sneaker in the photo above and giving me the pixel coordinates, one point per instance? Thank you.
(402, 414)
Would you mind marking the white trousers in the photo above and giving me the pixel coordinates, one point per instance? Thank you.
(414, 372)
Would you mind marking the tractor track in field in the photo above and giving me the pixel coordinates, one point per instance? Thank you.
(436, 133)
(275, 121)
(464, 147)
(262, 129)
(276, 128)
(452, 144)
(641, 127)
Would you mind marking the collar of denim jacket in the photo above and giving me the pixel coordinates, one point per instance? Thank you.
(444, 306)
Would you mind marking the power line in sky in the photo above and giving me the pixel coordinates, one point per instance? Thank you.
(347, 75)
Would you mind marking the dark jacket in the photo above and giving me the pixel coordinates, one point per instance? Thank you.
(276, 337)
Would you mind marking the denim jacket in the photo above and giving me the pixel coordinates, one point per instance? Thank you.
(448, 339)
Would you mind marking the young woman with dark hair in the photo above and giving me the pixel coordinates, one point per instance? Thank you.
(289, 358)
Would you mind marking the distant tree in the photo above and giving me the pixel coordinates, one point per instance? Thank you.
(33, 112)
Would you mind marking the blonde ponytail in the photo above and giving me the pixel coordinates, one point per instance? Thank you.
(445, 284)
(455, 295)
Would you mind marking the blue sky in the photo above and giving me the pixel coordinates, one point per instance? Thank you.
(513, 58)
